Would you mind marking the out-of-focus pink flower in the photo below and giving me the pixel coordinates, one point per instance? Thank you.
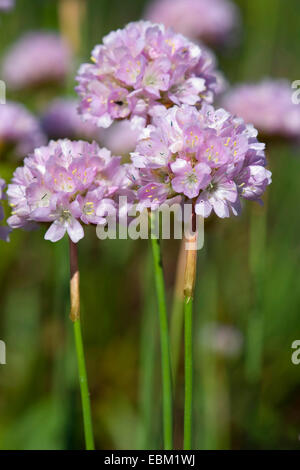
(36, 59)
(140, 67)
(4, 231)
(212, 21)
(7, 4)
(225, 340)
(267, 105)
(208, 157)
(19, 129)
(66, 184)
(61, 120)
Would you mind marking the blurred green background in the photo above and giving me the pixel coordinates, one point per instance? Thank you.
(240, 402)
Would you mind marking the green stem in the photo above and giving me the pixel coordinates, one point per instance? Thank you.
(188, 371)
(176, 327)
(75, 317)
(149, 325)
(164, 338)
(189, 287)
(85, 398)
(176, 332)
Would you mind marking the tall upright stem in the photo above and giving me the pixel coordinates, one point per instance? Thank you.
(164, 337)
(188, 374)
(189, 285)
(176, 326)
(75, 317)
(148, 360)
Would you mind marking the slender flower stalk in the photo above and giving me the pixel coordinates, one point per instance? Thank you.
(188, 374)
(189, 285)
(177, 311)
(164, 337)
(148, 360)
(75, 317)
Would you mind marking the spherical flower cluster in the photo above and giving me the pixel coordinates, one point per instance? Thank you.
(209, 20)
(7, 4)
(19, 129)
(36, 59)
(208, 157)
(4, 231)
(61, 120)
(141, 66)
(66, 184)
(268, 106)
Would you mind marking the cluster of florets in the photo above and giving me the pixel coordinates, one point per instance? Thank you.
(66, 183)
(139, 67)
(4, 231)
(208, 157)
(37, 59)
(268, 106)
(20, 131)
(210, 20)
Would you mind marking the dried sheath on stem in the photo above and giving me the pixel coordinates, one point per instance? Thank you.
(74, 283)
(191, 261)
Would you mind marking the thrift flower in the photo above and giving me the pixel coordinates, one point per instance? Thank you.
(139, 67)
(61, 120)
(268, 106)
(212, 21)
(4, 231)
(225, 340)
(19, 130)
(66, 184)
(208, 157)
(7, 4)
(36, 59)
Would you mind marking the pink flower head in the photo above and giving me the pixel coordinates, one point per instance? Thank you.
(66, 184)
(36, 59)
(139, 67)
(19, 129)
(208, 157)
(268, 106)
(212, 21)
(4, 231)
